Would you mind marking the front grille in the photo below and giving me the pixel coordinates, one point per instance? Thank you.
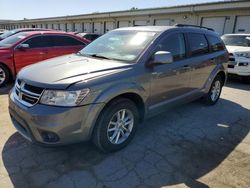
(27, 94)
(230, 66)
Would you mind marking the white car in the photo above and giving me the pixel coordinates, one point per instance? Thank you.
(238, 46)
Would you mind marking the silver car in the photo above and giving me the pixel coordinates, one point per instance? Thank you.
(122, 78)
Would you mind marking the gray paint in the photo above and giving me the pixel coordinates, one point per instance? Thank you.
(159, 86)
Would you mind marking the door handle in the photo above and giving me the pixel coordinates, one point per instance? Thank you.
(43, 52)
(186, 67)
(157, 74)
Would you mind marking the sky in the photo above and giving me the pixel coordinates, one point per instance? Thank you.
(19, 9)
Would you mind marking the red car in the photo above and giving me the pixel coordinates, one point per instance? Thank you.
(26, 48)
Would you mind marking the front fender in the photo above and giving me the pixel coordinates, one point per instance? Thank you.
(112, 92)
(118, 89)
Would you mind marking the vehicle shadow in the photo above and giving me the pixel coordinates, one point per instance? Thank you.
(5, 90)
(237, 84)
(177, 146)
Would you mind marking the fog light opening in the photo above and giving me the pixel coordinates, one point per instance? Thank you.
(49, 136)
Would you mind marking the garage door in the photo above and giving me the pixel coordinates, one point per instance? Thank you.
(140, 22)
(217, 23)
(63, 27)
(78, 27)
(123, 24)
(109, 26)
(242, 24)
(97, 27)
(50, 26)
(69, 27)
(88, 27)
(55, 26)
(162, 22)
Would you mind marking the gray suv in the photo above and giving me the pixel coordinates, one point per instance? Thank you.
(127, 75)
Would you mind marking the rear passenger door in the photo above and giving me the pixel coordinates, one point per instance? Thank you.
(170, 81)
(201, 62)
(63, 45)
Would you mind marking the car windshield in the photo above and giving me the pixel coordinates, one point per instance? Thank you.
(7, 34)
(119, 45)
(236, 40)
(10, 41)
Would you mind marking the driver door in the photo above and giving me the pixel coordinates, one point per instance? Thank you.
(170, 81)
(36, 52)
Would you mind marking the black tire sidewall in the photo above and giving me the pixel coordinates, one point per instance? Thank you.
(208, 97)
(6, 74)
(101, 139)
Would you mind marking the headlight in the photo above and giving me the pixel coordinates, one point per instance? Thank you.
(243, 54)
(63, 98)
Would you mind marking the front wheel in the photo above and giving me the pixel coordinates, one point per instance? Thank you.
(213, 95)
(4, 75)
(116, 125)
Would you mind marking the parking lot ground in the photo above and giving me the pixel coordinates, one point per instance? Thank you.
(189, 146)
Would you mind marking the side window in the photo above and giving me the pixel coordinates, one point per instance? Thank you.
(66, 41)
(198, 44)
(39, 42)
(216, 43)
(174, 44)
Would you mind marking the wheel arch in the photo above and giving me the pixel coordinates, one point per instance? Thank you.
(219, 70)
(134, 97)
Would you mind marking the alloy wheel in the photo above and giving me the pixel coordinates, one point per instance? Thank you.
(216, 89)
(120, 126)
(2, 76)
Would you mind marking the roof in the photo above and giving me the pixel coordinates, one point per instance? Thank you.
(32, 29)
(238, 34)
(46, 32)
(147, 28)
(161, 29)
(55, 33)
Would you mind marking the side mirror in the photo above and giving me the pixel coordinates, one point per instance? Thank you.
(162, 57)
(23, 46)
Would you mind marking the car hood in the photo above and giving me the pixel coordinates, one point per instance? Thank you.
(233, 49)
(69, 69)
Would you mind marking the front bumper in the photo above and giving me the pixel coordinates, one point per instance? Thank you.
(70, 125)
(237, 68)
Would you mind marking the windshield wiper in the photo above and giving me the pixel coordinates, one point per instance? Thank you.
(98, 56)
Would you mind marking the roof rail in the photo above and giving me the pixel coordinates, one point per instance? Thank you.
(197, 26)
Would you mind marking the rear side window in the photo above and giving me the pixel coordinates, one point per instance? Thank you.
(198, 44)
(174, 44)
(216, 43)
(39, 42)
(66, 41)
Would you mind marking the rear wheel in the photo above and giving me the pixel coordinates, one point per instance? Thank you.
(213, 95)
(4, 75)
(116, 125)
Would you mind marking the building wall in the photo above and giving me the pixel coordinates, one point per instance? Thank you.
(99, 23)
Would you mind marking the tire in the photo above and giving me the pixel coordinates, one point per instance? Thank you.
(245, 79)
(212, 97)
(4, 75)
(108, 127)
